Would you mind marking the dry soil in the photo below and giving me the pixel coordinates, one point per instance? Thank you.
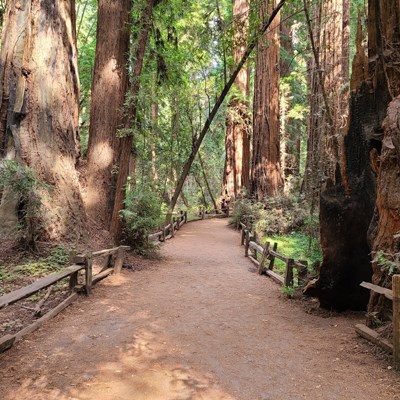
(198, 324)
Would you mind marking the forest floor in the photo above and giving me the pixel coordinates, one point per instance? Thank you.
(198, 324)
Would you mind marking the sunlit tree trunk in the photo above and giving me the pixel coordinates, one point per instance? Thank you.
(108, 93)
(266, 175)
(39, 106)
(237, 139)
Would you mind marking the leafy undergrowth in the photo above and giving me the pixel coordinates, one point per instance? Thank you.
(295, 245)
(22, 271)
(19, 274)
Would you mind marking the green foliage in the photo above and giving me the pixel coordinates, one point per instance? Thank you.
(283, 214)
(246, 211)
(21, 181)
(296, 245)
(389, 262)
(141, 216)
(288, 291)
(37, 267)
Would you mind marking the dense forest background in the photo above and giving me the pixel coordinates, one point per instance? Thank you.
(115, 114)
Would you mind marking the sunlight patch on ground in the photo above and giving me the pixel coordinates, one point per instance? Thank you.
(142, 372)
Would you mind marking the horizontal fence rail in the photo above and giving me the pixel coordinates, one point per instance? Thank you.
(260, 255)
(113, 263)
(369, 334)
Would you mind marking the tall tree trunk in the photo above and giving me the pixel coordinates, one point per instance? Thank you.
(125, 143)
(312, 174)
(348, 227)
(266, 174)
(384, 56)
(237, 139)
(39, 106)
(108, 93)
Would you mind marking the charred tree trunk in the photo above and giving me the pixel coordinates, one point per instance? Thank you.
(237, 139)
(347, 205)
(39, 107)
(266, 174)
(108, 93)
(125, 144)
(384, 56)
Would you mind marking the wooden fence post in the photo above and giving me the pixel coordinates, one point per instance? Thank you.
(177, 219)
(119, 260)
(185, 217)
(88, 274)
(272, 262)
(289, 273)
(261, 266)
(246, 246)
(243, 236)
(396, 321)
(173, 227)
(74, 259)
(203, 214)
(303, 272)
(162, 238)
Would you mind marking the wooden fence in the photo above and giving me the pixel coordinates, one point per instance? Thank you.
(169, 230)
(369, 334)
(83, 262)
(260, 255)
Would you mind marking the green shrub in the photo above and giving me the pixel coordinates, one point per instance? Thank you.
(21, 180)
(246, 211)
(141, 216)
(282, 215)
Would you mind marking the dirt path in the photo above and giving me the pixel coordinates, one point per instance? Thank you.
(199, 325)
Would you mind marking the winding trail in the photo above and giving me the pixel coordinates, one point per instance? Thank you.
(199, 324)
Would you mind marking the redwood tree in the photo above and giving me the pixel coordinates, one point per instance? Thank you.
(108, 94)
(349, 228)
(237, 137)
(266, 179)
(384, 128)
(39, 106)
(124, 153)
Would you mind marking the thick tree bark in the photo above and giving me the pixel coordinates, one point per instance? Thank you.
(266, 175)
(125, 143)
(384, 56)
(237, 137)
(312, 171)
(39, 106)
(108, 93)
(370, 145)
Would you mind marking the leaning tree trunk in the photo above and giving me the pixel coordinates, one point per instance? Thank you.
(266, 179)
(108, 93)
(237, 137)
(39, 106)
